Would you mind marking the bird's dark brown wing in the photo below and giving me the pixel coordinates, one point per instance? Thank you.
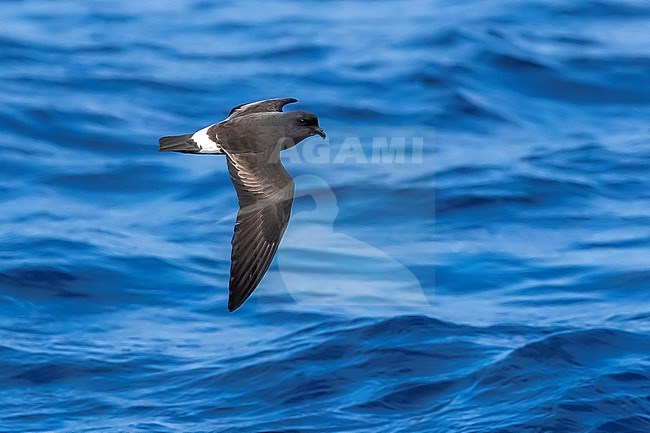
(265, 192)
(266, 106)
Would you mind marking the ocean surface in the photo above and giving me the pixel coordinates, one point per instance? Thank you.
(469, 250)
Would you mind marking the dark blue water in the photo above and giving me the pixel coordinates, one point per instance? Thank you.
(498, 283)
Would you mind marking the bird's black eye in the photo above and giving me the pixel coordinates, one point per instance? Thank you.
(310, 121)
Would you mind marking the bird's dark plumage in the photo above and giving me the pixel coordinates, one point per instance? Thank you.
(252, 137)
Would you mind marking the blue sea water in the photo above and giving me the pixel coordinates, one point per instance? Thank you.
(523, 231)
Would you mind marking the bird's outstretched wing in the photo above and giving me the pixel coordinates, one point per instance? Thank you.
(268, 105)
(265, 192)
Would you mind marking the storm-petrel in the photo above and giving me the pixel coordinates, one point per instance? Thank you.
(251, 138)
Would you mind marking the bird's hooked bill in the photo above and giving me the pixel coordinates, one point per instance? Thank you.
(320, 132)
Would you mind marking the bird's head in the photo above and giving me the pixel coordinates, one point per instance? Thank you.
(302, 125)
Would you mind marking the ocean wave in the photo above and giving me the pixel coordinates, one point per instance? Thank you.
(524, 223)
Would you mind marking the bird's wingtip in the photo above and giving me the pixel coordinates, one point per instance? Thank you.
(232, 305)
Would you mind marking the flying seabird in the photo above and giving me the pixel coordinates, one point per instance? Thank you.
(251, 138)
